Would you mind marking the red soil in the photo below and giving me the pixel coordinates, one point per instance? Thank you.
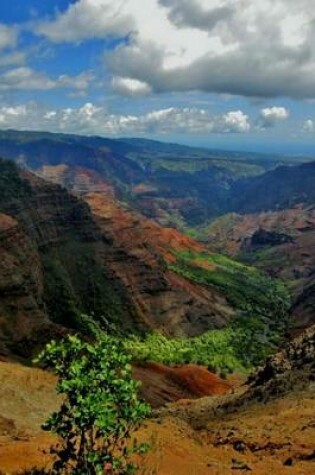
(129, 224)
(82, 179)
(6, 222)
(162, 384)
(261, 437)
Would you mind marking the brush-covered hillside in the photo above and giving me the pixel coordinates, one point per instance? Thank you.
(62, 257)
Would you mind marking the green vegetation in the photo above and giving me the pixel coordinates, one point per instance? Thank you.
(215, 349)
(242, 345)
(12, 186)
(262, 306)
(68, 291)
(100, 410)
(246, 288)
(261, 320)
(194, 165)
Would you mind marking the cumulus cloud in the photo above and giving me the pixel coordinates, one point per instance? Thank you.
(8, 41)
(89, 19)
(130, 87)
(240, 47)
(81, 82)
(270, 116)
(236, 121)
(92, 119)
(191, 13)
(10, 116)
(308, 126)
(25, 78)
(8, 36)
(12, 59)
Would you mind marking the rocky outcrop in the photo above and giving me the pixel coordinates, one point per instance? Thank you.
(291, 369)
(79, 180)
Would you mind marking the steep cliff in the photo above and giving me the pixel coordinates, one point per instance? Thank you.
(51, 269)
(59, 260)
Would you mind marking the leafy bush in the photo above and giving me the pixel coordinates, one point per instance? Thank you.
(100, 411)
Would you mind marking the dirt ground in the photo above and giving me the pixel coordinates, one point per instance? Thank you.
(273, 439)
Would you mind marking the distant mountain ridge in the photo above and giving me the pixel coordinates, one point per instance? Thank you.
(284, 187)
(176, 185)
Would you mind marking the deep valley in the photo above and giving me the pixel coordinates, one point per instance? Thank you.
(166, 249)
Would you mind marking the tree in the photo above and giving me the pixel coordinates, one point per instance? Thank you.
(101, 409)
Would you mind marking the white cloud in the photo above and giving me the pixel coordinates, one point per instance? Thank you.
(186, 120)
(92, 119)
(240, 47)
(12, 59)
(89, 19)
(236, 121)
(8, 41)
(80, 82)
(130, 87)
(25, 78)
(270, 116)
(9, 116)
(308, 126)
(8, 36)
(50, 115)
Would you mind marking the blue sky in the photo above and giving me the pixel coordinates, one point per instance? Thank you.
(239, 74)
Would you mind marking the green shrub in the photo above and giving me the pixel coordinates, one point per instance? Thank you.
(100, 411)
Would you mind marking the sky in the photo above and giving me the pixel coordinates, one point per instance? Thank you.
(233, 74)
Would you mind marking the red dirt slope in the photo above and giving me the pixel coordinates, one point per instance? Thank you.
(140, 252)
(162, 384)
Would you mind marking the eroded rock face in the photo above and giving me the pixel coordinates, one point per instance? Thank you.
(291, 369)
(47, 236)
(21, 283)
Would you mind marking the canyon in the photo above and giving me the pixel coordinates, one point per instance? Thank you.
(96, 233)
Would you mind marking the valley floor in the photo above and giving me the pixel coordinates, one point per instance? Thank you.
(185, 437)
